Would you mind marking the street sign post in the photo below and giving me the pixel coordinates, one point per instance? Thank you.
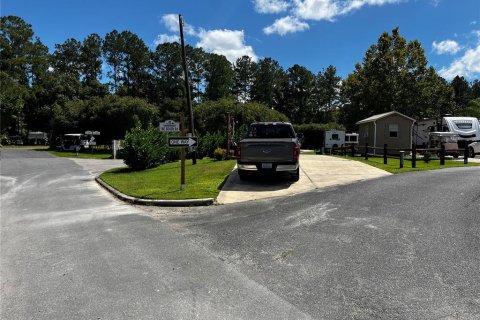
(183, 142)
(170, 126)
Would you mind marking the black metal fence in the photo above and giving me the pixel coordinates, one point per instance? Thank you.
(367, 151)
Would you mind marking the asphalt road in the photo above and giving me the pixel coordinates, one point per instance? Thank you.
(399, 247)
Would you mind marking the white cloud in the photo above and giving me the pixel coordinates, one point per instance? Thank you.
(163, 38)
(171, 22)
(467, 66)
(270, 6)
(329, 9)
(286, 25)
(446, 47)
(230, 43)
(317, 10)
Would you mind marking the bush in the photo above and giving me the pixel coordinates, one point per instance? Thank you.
(209, 142)
(220, 154)
(144, 148)
(427, 156)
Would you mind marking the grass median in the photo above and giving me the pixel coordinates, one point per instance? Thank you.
(393, 165)
(86, 154)
(203, 180)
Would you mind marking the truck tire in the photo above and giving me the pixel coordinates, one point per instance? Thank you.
(471, 153)
(296, 175)
(242, 174)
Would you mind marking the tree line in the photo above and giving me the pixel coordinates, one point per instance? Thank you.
(64, 90)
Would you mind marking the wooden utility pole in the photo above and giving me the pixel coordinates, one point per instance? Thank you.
(187, 84)
(228, 135)
(182, 154)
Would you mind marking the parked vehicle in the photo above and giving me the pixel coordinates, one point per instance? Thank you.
(74, 142)
(448, 139)
(467, 128)
(351, 139)
(334, 139)
(37, 137)
(421, 131)
(473, 149)
(272, 147)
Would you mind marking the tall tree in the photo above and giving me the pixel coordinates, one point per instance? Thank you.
(196, 58)
(267, 85)
(129, 59)
(437, 97)
(243, 78)
(393, 76)
(167, 72)
(218, 77)
(16, 39)
(327, 94)
(91, 58)
(475, 89)
(114, 52)
(23, 60)
(136, 65)
(297, 95)
(461, 89)
(67, 58)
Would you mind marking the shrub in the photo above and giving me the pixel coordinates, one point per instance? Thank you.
(144, 148)
(220, 154)
(427, 156)
(209, 142)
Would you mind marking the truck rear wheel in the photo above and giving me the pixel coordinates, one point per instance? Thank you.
(296, 175)
(471, 153)
(242, 174)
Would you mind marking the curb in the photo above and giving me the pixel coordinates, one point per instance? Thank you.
(160, 203)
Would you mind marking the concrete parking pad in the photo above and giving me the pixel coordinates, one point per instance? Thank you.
(317, 171)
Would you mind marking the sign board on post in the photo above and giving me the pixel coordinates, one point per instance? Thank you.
(92, 133)
(170, 126)
(183, 142)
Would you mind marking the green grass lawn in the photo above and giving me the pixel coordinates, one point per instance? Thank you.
(393, 165)
(97, 154)
(203, 180)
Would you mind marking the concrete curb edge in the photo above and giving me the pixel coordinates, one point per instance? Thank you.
(160, 203)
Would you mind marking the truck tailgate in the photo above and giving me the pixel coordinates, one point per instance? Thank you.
(270, 151)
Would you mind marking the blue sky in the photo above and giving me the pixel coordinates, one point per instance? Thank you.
(311, 33)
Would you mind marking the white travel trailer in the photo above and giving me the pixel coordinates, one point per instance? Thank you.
(74, 142)
(351, 139)
(421, 131)
(334, 139)
(467, 128)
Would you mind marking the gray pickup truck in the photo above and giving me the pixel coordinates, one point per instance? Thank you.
(271, 147)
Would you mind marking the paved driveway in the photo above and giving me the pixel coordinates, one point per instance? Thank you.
(317, 171)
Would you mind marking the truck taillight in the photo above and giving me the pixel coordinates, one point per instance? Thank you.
(238, 152)
(296, 152)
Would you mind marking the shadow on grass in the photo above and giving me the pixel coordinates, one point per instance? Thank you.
(220, 186)
(123, 170)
